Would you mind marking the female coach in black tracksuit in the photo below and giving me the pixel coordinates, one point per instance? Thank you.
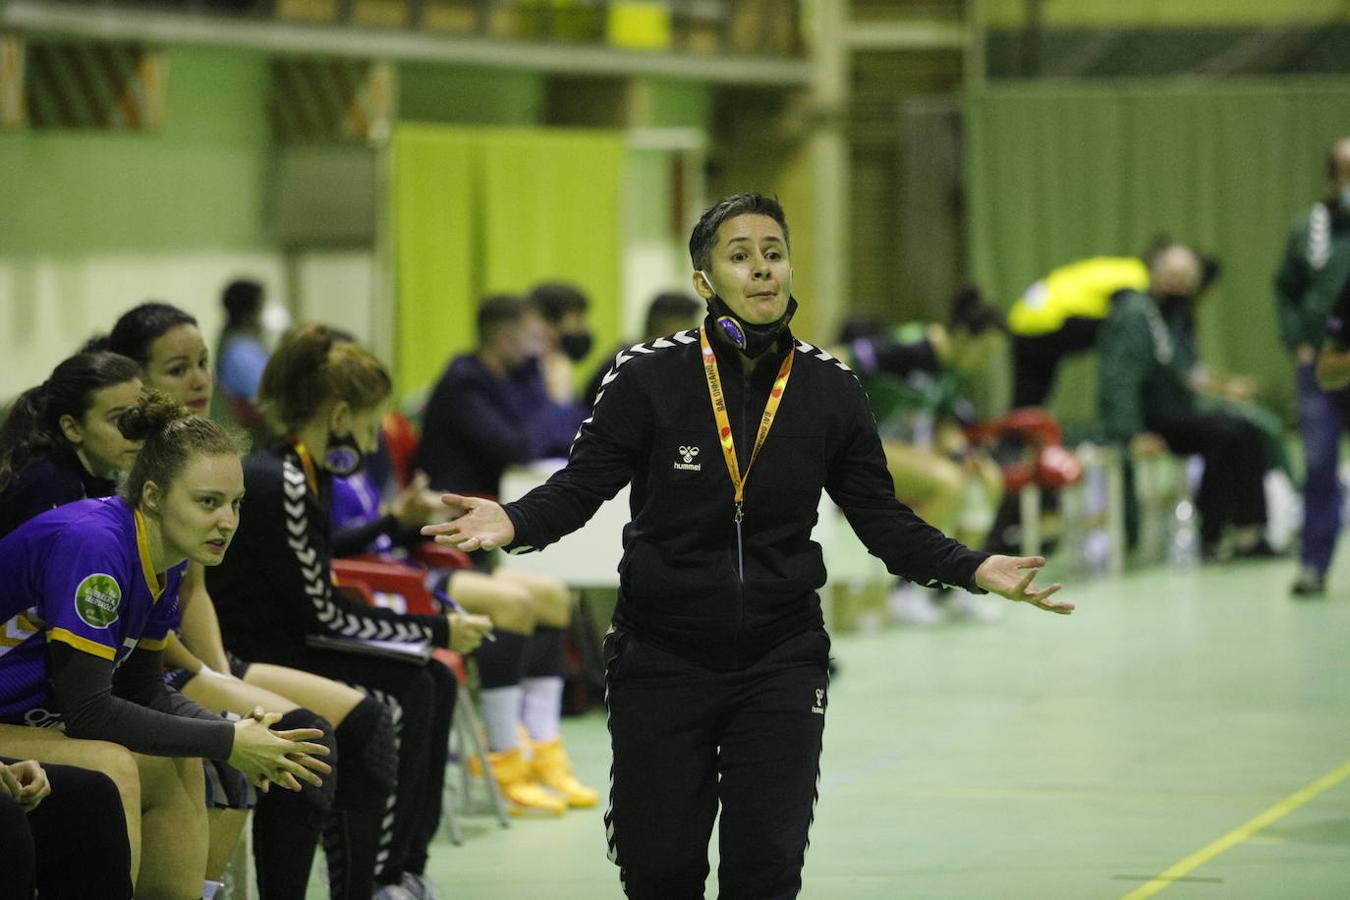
(717, 659)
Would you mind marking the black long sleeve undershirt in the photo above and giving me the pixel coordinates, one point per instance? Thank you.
(133, 706)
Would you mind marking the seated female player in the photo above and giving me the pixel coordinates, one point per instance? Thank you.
(88, 592)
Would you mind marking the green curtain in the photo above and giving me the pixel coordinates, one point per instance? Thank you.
(476, 211)
(1060, 172)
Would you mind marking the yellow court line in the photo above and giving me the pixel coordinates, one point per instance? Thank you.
(1241, 833)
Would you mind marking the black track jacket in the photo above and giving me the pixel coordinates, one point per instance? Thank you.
(688, 582)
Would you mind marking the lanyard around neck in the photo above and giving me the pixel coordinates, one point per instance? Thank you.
(307, 463)
(719, 405)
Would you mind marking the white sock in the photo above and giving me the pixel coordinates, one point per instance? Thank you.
(543, 706)
(501, 715)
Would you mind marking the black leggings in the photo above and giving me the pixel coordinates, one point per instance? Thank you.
(74, 845)
(1036, 359)
(421, 702)
(1232, 491)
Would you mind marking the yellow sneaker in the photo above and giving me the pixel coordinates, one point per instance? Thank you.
(551, 768)
(524, 795)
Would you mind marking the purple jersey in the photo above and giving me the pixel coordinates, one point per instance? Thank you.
(80, 574)
(356, 502)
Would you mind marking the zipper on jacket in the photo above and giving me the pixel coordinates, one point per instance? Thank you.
(740, 540)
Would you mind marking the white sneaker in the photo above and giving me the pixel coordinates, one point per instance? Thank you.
(909, 605)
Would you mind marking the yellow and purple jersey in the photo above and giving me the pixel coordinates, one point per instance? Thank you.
(80, 574)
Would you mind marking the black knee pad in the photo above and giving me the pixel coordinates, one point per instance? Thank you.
(320, 797)
(370, 759)
(501, 663)
(545, 656)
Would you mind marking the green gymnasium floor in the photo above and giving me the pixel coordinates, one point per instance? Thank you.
(1045, 757)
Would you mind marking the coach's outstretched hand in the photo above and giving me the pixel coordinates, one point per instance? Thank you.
(475, 524)
(1011, 577)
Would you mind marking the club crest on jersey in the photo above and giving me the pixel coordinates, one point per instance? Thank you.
(687, 454)
(96, 600)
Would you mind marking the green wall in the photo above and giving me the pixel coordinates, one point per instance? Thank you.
(1060, 172)
(195, 183)
(428, 93)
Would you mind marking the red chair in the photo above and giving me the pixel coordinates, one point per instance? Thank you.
(1049, 466)
(400, 437)
(1045, 464)
(403, 588)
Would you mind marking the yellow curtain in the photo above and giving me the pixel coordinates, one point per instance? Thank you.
(432, 224)
(478, 211)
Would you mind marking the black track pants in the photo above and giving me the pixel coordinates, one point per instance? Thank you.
(686, 739)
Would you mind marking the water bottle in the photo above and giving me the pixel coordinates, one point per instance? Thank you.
(1184, 537)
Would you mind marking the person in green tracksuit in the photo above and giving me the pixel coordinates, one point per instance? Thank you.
(1316, 264)
(1146, 401)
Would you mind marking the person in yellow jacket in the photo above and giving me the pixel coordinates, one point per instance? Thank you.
(1060, 315)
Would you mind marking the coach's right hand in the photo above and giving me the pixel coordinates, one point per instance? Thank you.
(475, 524)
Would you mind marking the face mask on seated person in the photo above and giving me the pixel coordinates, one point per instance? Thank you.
(343, 456)
(575, 345)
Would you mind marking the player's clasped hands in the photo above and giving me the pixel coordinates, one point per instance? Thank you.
(1012, 577)
(284, 758)
(475, 524)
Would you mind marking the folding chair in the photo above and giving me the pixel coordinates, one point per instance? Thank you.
(404, 589)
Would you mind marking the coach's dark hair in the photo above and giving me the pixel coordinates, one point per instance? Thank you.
(172, 435)
(704, 236)
(313, 365)
(497, 311)
(138, 328)
(33, 427)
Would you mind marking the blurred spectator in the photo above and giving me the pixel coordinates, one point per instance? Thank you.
(567, 338)
(1316, 265)
(241, 354)
(666, 314)
(491, 408)
(1147, 400)
(1060, 315)
(1333, 361)
(915, 376)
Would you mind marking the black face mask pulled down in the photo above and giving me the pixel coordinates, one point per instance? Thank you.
(343, 456)
(752, 340)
